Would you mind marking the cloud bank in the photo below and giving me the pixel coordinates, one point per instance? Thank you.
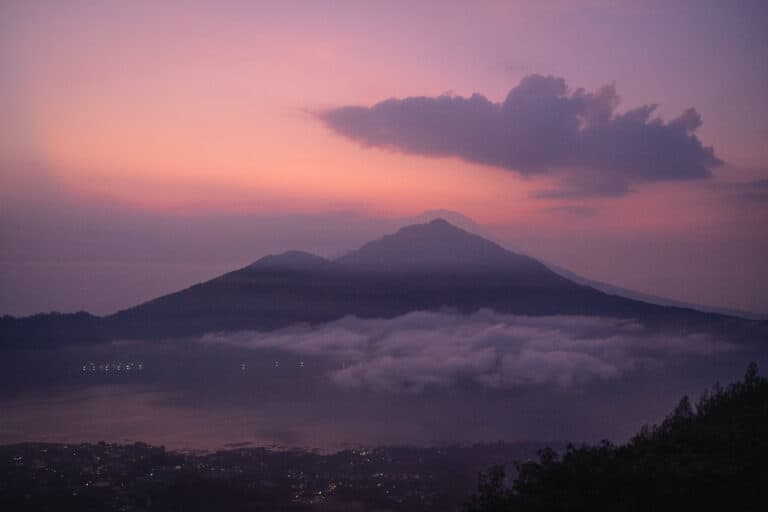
(751, 192)
(541, 126)
(429, 349)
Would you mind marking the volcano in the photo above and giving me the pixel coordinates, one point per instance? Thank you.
(423, 267)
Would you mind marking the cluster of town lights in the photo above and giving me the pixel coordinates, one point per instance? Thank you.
(119, 367)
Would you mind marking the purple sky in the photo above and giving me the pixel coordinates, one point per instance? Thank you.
(145, 147)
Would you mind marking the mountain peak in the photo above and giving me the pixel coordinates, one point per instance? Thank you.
(439, 223)
(433, 245)
(290, 260)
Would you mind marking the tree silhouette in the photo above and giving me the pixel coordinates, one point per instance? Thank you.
(492, 496)
(713, 456)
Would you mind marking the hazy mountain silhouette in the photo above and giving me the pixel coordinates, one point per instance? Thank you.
(296, 260)
(421, 267)
(440, 246)
(653, 299)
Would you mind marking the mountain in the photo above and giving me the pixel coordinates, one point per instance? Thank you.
(440, 246)
(290, 260)
(453, 217)
(421, 267)
(653, 299)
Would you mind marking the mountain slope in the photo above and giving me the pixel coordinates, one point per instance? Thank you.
(421, 267)
(711, 457)
(440, 245)
(652, 299)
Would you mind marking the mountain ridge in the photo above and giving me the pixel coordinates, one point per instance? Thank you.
(289, 259)
(436, 242)
(428, 267)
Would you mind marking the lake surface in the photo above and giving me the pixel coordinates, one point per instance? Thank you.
(191, 395)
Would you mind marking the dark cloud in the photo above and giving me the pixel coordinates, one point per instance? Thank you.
(752, 195)
(541, 126)
(754, 191)
(425, 349)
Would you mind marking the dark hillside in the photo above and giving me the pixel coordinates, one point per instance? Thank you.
(713, 456)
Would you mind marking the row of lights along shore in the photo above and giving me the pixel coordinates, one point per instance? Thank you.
(275, 364)
(130, 366)
(138, 366)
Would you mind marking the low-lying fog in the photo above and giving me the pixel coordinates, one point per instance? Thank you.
(420, 378)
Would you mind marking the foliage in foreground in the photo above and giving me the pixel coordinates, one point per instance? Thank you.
(711, 456)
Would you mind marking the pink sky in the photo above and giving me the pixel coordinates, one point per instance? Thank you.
(129, 110)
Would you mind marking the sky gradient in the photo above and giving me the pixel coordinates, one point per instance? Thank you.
(145, 147)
